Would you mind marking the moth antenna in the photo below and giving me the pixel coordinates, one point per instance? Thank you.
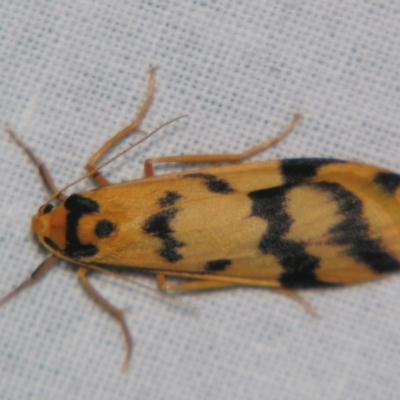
(88, 175)
(139, 142)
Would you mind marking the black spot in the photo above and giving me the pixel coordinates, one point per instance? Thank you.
(217, 265)
(169, 199)
(213, 184)
(300, 169)
(298, 265)
(158, 225)
(48, 208)
(354, 231)
(51, 244)
(104, 228)
(388, 181)
(77, 206)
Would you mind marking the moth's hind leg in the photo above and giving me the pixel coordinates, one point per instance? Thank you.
(196, 284)
(296, 296)
(207, 284)
(91, 165)
(216, 158)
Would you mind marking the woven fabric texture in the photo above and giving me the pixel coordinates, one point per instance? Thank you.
(73, 73)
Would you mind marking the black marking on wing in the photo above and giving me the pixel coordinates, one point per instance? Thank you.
(387, 181)
(298, 265)
(81, 205)
(104, 228)
(158, 225)
(354, 231)
(169, 199)
(213, 183)
(300, 169)
(270, 204)
(217, 265)
(77, 206)
(303, 280)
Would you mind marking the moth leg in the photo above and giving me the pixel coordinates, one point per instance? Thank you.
(191, 285)
(115, 312)
(43, 171)
(210, 284)
(35, 276)
(91, 165)
(216, 158)
(295, 296)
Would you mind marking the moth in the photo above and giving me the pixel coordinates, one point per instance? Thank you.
(286, 225)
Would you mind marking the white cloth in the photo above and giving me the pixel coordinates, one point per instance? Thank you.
(72, 74)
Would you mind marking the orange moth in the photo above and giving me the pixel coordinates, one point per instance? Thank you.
(285, 225)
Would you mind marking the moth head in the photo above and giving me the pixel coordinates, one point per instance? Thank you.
(49, 225)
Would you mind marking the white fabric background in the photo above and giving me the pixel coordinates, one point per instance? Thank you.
(73, 74)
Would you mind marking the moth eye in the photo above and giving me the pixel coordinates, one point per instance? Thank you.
(47, 209)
